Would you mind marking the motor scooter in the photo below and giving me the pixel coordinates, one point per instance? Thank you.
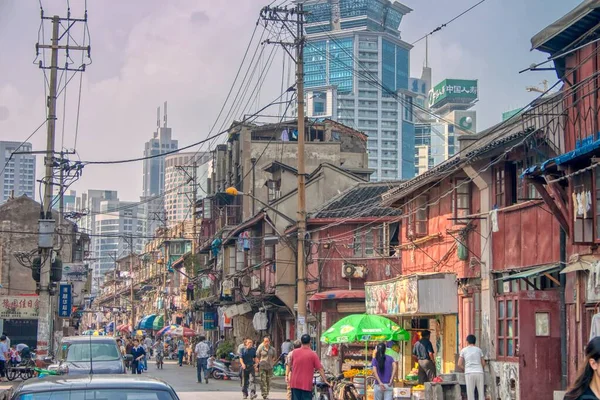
(225, 369)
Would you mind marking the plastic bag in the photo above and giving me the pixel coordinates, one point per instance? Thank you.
(279, 370)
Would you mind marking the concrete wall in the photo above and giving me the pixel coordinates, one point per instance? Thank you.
(327, 184)
(18, 219)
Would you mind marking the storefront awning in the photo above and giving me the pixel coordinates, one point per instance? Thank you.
(338, 294)
(581, 263)
(533, 272)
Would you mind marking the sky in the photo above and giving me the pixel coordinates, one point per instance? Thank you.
(187, 52)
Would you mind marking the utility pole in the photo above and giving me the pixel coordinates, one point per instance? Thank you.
(295, 15)
(131, 294)
(194, 200)
(46, 223)
(115, 276)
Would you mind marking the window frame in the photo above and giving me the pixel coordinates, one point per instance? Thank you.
(499, 177)
(418, 217)
(461, 184)
(580, 223)
(502, 337)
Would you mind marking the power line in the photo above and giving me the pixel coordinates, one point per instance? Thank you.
(439, 28)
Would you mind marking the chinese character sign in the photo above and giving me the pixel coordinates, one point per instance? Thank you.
(19, 307)
(453, 91)
(64, 301)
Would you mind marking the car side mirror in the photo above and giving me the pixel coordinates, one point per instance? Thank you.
(128, 357)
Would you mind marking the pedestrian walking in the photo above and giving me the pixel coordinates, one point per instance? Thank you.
(4, 355)
(288, 368)
(423, 352)
(384, 371)
(267, 356)
(138, 353)
(471, 359)
(248, 362)
(202, 352)
(180, 351)
(242, 346)
(587, 383)
(304, 364)
(287, 347)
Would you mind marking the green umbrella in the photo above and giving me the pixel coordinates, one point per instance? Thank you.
(159, 323)
(364, 328)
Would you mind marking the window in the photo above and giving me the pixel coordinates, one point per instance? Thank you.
(417, 217)
(357, 244)
(507, 331)
(499, 186)
(363, 243)
(274, 188)
(369, 242)
(505, 184)
(461, 201)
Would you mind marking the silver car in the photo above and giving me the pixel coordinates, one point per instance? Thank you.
(80, 355)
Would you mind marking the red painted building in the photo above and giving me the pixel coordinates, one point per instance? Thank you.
(570, 183)
(476, 218)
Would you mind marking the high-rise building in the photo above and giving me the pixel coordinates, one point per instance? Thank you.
(154, 170)
(356, 70)
(179, 185)
(113, 225)
(18, 177)
(449, 116)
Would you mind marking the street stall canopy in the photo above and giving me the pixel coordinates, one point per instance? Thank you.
(147, 322)
(159, 323)
(533, 272)
(364, 328)
(420, 294)
(317, 299)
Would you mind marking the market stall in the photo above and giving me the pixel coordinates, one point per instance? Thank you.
(358, 334)
(417, 303)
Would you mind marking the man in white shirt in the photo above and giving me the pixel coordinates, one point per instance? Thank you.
(202, 352)
(471, 359)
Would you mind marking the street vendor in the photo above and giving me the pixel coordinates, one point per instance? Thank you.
(423, 352)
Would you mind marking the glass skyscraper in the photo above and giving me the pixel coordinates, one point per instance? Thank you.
(18, 178)
(356, 72)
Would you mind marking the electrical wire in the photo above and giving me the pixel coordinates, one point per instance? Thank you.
(439, 28)
(21, 145)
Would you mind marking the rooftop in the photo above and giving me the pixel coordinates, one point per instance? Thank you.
(357, 201)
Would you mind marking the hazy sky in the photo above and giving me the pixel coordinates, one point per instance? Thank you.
(187, 52)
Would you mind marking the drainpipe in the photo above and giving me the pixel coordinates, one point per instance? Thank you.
(563, 312)
(253, 161)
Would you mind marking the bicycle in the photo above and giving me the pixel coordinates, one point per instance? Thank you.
(24, 370)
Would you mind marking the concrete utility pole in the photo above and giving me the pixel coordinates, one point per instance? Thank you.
(194, 200)
(131, 294)
(295, 15)
(47, 224)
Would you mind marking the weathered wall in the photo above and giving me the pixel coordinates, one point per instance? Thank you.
(18, 218)
(507, 379)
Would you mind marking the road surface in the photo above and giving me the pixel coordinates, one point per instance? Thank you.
(183, 380)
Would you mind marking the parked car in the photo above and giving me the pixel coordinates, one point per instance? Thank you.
(113, 387)
(82, 355)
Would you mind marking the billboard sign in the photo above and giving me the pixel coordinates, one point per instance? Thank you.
(453, 91)
(65, 300)
(74, 272)
(19, 307)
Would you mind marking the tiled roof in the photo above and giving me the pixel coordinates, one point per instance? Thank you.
(357, 202)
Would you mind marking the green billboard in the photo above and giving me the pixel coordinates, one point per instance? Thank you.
(463, 91)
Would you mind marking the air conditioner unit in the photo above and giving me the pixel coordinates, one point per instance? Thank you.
(352, 271)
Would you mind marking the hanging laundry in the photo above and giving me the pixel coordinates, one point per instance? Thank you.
(580, 206)
(588, 202)
(595, 326)
(260, 320)
(295, 135)
(246, 240)
(574, 195)
(285, 137)
(494, 220)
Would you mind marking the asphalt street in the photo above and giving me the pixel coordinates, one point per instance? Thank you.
(183, 380)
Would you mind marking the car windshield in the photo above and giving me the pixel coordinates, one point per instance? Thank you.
(99, 351)
(99, 394)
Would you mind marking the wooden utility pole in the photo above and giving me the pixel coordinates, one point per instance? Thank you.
(285, 16)
(194, 200)
(47, 224)
(301, 320)
(131, 294)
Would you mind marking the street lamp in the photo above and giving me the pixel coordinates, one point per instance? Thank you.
(234, 192)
